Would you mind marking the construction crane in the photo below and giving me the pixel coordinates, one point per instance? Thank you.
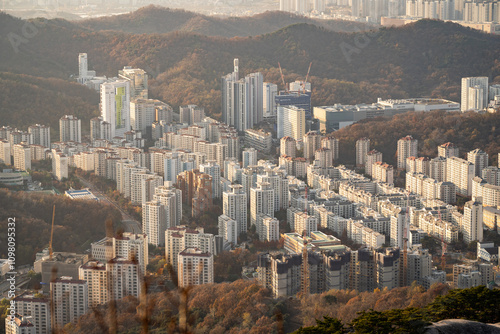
(282, 78)
(52, 232)
(307, 77)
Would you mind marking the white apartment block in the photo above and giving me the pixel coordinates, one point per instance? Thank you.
(419, 263)
(70, 300)
(59, 165)
(362, 149)
(472, 223)
(228, 229)
(19, 324)
(213, 169)
(480, 160)
(164, 211)
(270, 230)
(460, 172)
(128, 246)
(474, 93)
(38, 309)
(489, 194)
(407, 147)
(195, 267)
(125, 277)
(291, 122)
(115, 106)
(22, 156)
(312, 141)
(304, 223)
(437, 169)
(99, 129)
(448, 150)
(332, 144)
(40, 135)
(70, 129)
(96, 275)
(261, 201)
(143, 113)
(5, 152)
(138, 82)
(234, 206)
(372, 157)
(180, 237)
(288, 147)
(324, 156)
(270, 90)
(491, 175)
(383, 172)
(249, 157)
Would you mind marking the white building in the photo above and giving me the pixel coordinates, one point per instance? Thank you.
(234, 206)
(115, 106)
(472, 223)
(38, 308)
(474, 93)
(372, 157)
(362, 149)
(291, 122)
(59, 165)
(261, 201)
(480, 160)
(270, 90)
(288, 147)
(270, 228)
(195, 267)
(448, 150)
(22, 156)
(164, 211)
(460, 172)
(407, 147)
(5, 151)
(138, 80)
(128, 246)
(249, 157)
(125, 278)
(228, 229)
(179, 238)
(18, 324)
(69, 300)
(70, 129)
(40, 135)
(213, 169)
(143, 113)
(383, 172)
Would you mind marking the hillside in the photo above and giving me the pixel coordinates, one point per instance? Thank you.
(156, 19)
(26, 100)
(427, 58)
(469, 131)
(33, 217)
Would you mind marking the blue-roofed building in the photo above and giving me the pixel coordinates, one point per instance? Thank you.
(84, 194)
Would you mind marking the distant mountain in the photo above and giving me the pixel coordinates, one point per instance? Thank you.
(156, 19)
(427, 58)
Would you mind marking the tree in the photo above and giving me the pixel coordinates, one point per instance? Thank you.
(327, 325)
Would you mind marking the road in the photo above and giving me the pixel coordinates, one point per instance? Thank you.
(128, 222)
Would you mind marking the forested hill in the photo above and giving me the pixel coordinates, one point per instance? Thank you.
(427, 58)
(468, 131)
(156, 19)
